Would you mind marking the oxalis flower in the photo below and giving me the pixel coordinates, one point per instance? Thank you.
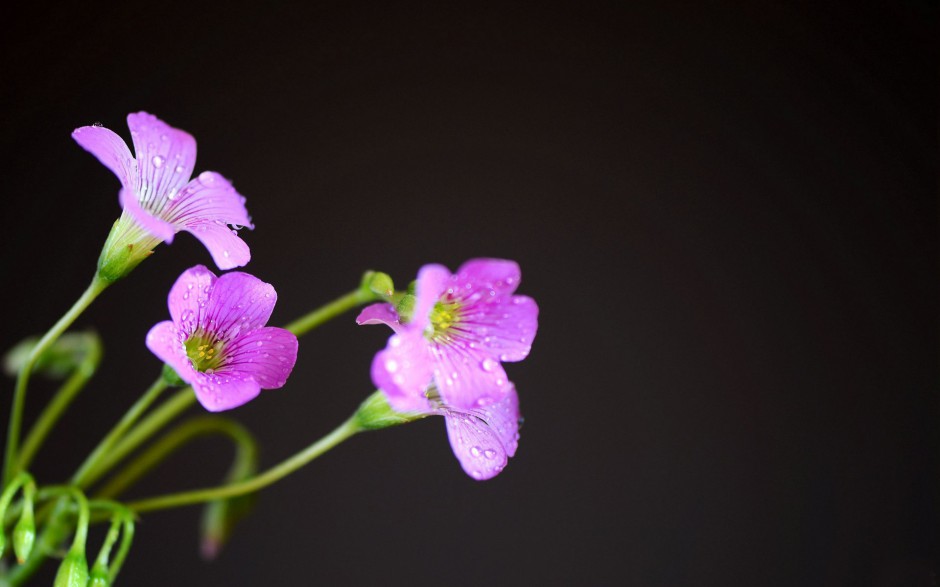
(160, 199)
(462, 327)
(217, 340)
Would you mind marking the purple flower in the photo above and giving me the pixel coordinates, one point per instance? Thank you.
(463, 326)
(218, 342)
(158, 196)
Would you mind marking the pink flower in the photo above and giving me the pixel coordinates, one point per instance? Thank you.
(217, 340)
(158, 195)
(464, 325)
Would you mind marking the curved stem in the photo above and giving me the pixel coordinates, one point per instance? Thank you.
(19, 394)
(341, 433)
(54, 409)
(80, 476)
(176, 438)
(144, 430)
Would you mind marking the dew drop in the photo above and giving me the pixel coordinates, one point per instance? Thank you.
(158, 161)
(179, 169)
(225, 254)
(488, 364)
(259, 343)
(475, 451)
(206, 177)
(489, 453)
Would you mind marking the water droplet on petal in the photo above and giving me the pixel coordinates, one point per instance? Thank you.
(225, 254)
(206, 177)
(391, 365)
(489, 453)
(475, 451)
(488, 364)
(158, 161)
(179, 169)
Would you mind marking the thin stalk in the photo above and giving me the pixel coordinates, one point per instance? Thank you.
(341, 433)
(149, 396)
(22, 381)
(54, 409)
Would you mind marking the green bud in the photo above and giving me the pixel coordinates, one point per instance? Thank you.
(171, 377)
(375, 413)
(24, 533)
(99, 577)
(406, 307)
(380, 284)
(127, 245)
(73, 572)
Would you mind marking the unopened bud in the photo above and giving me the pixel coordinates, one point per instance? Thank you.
(24, 533)
(375, 413)
(73, 572)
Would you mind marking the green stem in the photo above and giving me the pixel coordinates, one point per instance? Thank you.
(80, 477)
(19, 394)
(54, 409)
(168, 410)
(341, 433)
(173, 440)
(355, 298)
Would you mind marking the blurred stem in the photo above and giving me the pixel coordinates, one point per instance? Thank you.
(22, 380)
(246, 449)
(80, 477)
(341, 433)
(54, 409)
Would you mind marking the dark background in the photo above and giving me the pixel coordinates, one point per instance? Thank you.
(727, 214)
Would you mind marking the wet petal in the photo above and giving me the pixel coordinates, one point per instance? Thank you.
(505, 328)
(403, 371)
(165, 159)
(208, 197)
(189, 297)
(239, 303)
(266, 355)
(380, 313)
(464, 377)
(111, 150)
(498, 275)
(227, 249)
(483, 439)
(155, 226)
(166, 341)
(432, 282)
(218, 392)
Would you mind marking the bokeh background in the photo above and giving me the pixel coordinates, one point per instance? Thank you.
(727, 214)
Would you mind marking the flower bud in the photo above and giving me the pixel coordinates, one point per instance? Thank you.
(59, 360)
(405, 308)
(127, 245)
(73, 572)
(380, 284)
(24, 533)
(375, 413)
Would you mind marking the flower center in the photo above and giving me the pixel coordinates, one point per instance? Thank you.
(444, 317)
(205, 352)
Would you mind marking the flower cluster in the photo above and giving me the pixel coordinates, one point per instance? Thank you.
(452, 333)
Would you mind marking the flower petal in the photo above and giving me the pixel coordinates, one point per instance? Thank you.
(403, 371)
(240, 303)
(218, 392)
(111, 150)
(227, 249)
(499, 275)
(432, 282)
(266, 355)
(189, 297)
(465, 377)
(380, 313)
(483, 439)
(151, 223)
(165, 159)
(166, 341)
(209, 196)
(506, 328)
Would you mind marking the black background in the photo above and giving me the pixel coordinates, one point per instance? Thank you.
(727, 215)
